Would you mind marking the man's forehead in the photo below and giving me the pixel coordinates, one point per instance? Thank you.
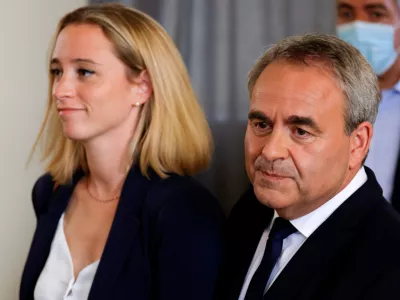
(362, 3)
(264, 93)
(272, 104)
(298, 103)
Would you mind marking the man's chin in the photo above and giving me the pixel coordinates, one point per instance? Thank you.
(271, 198)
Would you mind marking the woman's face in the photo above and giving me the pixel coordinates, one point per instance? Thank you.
(91, 90)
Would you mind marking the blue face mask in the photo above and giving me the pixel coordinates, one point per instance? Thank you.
(375, 41)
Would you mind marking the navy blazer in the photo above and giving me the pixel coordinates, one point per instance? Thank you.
(353, 255)
(165, 241)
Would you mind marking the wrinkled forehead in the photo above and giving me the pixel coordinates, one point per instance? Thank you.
(285, 89)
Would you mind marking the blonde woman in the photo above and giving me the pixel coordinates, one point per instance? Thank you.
(119, 216)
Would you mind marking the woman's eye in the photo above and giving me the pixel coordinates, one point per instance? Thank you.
(55, 72)
(85, 72)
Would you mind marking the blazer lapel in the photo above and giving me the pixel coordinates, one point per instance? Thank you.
(325, 247)
(42, 240)
(123, 233)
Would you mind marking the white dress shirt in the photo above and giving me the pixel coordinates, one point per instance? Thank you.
(57, 279)
(305, 226)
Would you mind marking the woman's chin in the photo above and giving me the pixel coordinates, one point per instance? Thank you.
(75, 135)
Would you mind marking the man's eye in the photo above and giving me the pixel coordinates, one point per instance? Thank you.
(261, 125)
(377, 15)
(348, 14)
(345, 14)
(301, 133)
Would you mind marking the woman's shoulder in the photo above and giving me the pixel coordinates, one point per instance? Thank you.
(180, 192)
(179, 186)
(44, 181)
(181, 205)
(41, 192)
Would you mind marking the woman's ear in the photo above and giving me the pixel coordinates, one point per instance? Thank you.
(141, 88)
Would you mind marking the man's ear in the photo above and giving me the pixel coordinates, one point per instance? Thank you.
(141, 88)
(360, 140)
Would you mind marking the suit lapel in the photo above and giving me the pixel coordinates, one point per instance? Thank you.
(123, 233)
(395, 198)
(43, 237)
(326, 248)
(246, 236)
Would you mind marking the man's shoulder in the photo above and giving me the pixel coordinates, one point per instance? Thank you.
(376, 239)
(384, 223)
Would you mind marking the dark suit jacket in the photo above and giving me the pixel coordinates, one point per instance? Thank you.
(353, 255)
(395, 198)
(165, 242)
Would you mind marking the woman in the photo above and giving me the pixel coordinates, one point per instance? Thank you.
(119, 216)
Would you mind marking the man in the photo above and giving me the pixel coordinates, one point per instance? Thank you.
(373, 26)
(314, 224)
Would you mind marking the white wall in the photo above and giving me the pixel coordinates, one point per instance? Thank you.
(26, 27)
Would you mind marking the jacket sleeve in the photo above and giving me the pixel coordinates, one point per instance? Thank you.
(189, 238)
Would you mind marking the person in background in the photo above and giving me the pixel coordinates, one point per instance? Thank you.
(373, 27)
(313, 225)
(118, 214)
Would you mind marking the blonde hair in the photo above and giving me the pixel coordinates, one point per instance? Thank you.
(172, 134)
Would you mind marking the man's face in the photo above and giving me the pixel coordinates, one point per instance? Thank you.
(373, 11)
(297, 151)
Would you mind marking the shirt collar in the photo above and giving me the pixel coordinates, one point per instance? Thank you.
(307, 224)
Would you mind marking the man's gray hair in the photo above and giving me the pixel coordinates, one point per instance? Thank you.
(355, 76)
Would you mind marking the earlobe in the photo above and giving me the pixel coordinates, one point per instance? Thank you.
(360, 140)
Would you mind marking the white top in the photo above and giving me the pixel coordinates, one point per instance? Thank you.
(305, 225)
(57, 280)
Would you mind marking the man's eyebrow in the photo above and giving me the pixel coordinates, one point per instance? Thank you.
(375, 6)
(258, 115)
(344, 6)
(305, 121)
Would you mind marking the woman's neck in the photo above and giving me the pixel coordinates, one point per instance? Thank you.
(108, 160)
